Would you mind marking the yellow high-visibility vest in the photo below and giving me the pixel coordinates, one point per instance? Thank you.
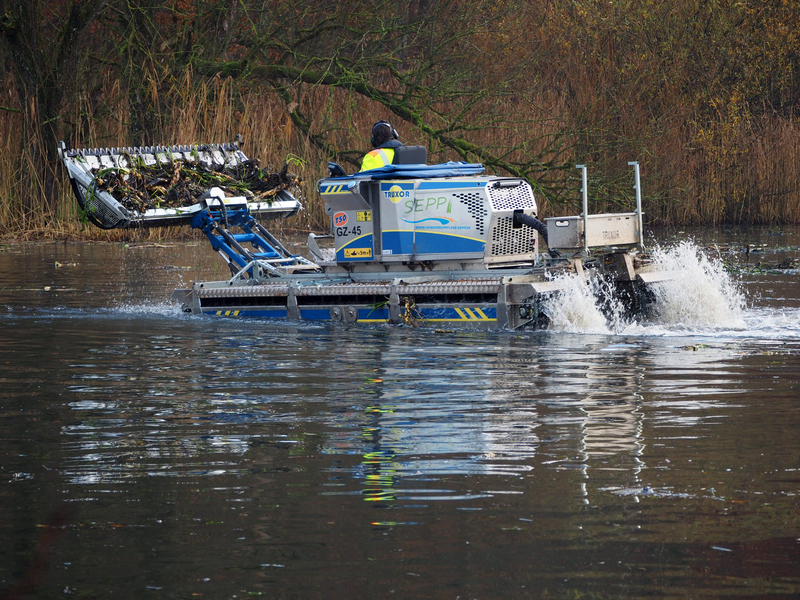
(380, 157)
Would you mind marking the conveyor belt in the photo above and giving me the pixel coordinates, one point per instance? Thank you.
(444, 288)
(104, 211)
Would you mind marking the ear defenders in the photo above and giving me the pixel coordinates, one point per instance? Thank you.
(389, 125)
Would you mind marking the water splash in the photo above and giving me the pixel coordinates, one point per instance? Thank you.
(704, 296)
(149, 309)
(575, 308)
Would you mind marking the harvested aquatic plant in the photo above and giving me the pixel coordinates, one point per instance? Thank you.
(178, 184)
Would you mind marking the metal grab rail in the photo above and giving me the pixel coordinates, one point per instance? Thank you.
(585, 199)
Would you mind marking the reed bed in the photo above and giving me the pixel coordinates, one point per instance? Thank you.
(737, 168)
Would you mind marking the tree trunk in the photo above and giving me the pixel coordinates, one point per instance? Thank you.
(43, 54)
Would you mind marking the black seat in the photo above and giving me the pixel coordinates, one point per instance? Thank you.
(335, 170)
(410, 155)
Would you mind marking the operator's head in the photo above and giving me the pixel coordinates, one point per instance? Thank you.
(382, 132)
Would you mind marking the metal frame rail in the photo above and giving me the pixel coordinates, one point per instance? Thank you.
(269, 258)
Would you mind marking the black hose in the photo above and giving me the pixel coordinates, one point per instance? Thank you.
(224, 211)
(532, 221)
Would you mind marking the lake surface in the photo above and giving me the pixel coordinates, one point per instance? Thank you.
(145, 453)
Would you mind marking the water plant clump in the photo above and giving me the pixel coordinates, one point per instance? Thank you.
(177, 184)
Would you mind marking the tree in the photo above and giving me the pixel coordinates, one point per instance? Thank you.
(443, 67)
(43, 39)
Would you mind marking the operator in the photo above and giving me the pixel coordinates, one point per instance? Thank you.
(384, 140)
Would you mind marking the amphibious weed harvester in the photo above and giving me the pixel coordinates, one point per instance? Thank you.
(410, 243)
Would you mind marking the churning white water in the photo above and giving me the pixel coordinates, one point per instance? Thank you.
(702, 296)
(576, 308)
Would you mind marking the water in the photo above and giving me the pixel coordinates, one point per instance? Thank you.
(150, 454)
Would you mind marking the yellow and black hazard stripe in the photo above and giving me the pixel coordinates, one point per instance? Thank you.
(340, 188)
(473, 314)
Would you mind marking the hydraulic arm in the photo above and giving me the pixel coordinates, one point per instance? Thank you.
(266, 258)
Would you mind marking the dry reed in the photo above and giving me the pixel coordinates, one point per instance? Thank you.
(735, 168)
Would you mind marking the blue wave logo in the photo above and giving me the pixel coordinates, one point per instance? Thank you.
(440, 220)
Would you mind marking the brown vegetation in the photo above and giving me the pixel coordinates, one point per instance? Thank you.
(704, 93)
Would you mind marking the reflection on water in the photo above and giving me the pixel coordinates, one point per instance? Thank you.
(611, 434)
(430, 415)
(224, 458)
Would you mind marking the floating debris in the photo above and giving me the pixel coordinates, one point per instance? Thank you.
(694, 347)
(180, 183)
(788, 266)
(787, 263)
